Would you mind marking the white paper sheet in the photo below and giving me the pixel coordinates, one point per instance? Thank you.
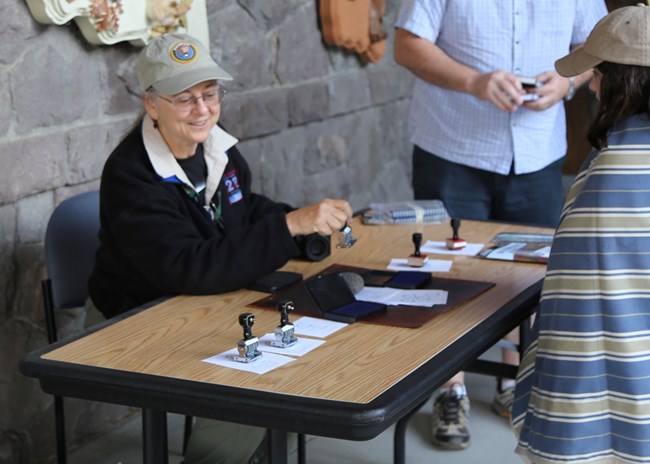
(441, 248)
(266, 363)
(394, 296)
(314, 327)
(432, 265)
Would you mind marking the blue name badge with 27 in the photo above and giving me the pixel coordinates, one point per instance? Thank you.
(231, 180)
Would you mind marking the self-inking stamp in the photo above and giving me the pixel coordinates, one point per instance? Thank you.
(455, 243)
(247, 346)
(346, 240)
(417, 259)
(284, 333)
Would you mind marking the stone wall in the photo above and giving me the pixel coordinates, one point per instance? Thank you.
(313, 121)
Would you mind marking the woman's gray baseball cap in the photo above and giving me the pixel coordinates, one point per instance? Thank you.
(173, 63)
(622, 37)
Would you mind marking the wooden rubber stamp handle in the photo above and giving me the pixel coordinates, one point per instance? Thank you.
(417, 241)
(455, 225)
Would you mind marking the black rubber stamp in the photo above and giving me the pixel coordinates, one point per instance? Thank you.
(247, 346)
(284, 333)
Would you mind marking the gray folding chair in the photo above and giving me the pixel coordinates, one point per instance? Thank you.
(71, 240)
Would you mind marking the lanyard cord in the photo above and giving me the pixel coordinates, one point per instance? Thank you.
(213, 210)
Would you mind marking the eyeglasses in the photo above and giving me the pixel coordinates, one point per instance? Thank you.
(186, 103)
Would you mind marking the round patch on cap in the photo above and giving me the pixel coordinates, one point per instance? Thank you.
(183, 52)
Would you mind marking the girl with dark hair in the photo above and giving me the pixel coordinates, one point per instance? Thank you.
(623, 91)
(583, 388)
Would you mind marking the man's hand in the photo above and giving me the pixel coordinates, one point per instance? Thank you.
(504, 90)
(325, 218)
(500, 88)
(554, 89)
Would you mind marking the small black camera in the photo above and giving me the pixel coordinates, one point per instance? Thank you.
(314, 247)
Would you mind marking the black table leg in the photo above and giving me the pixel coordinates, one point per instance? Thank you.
(277, 446)
(399, 446)
(154, 436)
(302, 449)
(525, 334)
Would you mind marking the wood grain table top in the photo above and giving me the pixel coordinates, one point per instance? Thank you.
(356, 364)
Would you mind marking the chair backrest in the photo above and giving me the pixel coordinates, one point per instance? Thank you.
(71, 240)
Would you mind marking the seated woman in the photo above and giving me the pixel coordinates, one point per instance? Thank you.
(583, 389)
(178, 215)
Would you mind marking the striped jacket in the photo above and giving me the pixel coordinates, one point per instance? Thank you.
(583, 388)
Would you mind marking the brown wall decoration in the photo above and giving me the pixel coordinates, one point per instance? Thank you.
(106, 22)
(356, 25)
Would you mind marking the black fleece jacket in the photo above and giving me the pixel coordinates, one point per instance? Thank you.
(157, 241)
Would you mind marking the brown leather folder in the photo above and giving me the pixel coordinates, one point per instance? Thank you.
(459, 290)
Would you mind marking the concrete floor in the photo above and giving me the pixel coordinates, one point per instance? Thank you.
(492, 439)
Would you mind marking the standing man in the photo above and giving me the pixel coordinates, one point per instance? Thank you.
(479, 145)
